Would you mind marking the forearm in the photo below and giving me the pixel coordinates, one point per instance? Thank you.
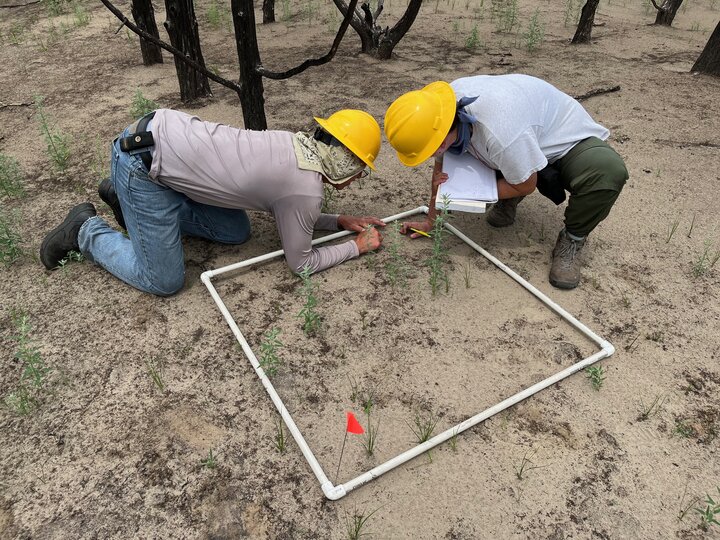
(437, 169)
(510, 191)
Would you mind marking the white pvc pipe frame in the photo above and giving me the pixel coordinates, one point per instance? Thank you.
(336, 492)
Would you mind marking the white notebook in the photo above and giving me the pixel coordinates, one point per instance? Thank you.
(471, 184)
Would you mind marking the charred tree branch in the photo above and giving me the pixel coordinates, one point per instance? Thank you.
(312, 61)
(596, 92)
(177, 53)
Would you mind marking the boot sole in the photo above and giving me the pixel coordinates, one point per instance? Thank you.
(563, 284)
(85, 207)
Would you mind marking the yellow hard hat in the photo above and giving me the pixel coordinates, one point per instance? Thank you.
(417, 122)
(357, 130)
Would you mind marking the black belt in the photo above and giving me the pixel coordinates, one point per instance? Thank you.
(140, 138)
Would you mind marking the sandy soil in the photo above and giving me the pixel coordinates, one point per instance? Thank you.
(106, 454)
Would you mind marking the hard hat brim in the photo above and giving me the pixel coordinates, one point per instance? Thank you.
(446, 95)
(349, 145)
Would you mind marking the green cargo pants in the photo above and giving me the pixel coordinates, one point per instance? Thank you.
(594, 175)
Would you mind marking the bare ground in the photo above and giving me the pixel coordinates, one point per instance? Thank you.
(106, 454)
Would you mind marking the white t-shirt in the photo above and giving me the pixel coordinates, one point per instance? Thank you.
(524, 123)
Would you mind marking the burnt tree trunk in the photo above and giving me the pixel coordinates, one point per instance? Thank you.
(182, 27)
(144, 15)
(709, 60)
(375, 40)
(666, 13)
(587, 18)
(268, 11)
(251, 84)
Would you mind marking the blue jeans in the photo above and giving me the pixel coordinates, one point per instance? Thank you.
(150, 257)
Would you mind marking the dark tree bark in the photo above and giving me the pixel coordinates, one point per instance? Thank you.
(587, 18)
(251, 92)
(666, 13)
(709, 60)
(375, 40)
(268, 11)
(144, 15)
(182, 27)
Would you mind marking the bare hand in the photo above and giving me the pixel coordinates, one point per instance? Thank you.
(358, 224)
(425, 226)
(438, 178)
(368, 240)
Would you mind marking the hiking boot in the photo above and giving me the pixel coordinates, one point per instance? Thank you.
(109, 197)
(565, 270)
(502, 213)
(64, 238)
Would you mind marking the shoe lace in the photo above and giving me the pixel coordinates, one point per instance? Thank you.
(567, 252)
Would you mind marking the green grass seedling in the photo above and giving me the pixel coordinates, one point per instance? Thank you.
(466, 276)
(423, 426)
(526, 465)
(654, 407)
(710, 513)
(210, 462)
(81, 15)
(535, 32)
(370, 437)
(396, 266)
(596, 376)
(671, 229)
(154, 369)
(705, 261)
(58, 144)
(280, 437)
(437, 261)
(11, 182)
(34, 373)
(269, 359)
(355, 524)
(141, 106)
(692, 226)
(685, 508)
(683, 429)
(10, 241)
(311, 319)
(453, 441)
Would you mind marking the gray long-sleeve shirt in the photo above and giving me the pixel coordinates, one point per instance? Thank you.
(223, 166)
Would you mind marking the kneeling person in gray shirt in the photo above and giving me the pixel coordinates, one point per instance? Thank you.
(172, 174)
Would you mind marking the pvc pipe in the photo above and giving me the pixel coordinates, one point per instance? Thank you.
(336, 492)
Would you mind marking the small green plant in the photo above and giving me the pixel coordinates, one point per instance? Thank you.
(82, 16)
(505, 14)
(11, 184)
(312, 321)
(472, 42)
(72, 256)
(285, 4)
(437, 261)
(596, 376)
(683, 429)
(34, 371)
(709, 514)
(654, 407)
(370, 437)
(10, 241)
(535, 32)
(280, 437)
(154, 369)
(396, 266)
(55, 7)
(367, 400)
(466, 276)
(572, 12)
(58, 144)
(210, 462)
(213, 15)
(453, 441)
(354, 388)
(141, 106)
(526, 465)
(269, 359)
(705, 261)
(354, 524)
(16, 34)
(423, 425)
(658, 336)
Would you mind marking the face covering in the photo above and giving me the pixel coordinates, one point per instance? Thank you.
(336, 163)
(463, 121)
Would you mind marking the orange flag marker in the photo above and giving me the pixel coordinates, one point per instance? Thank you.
(353, 426)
